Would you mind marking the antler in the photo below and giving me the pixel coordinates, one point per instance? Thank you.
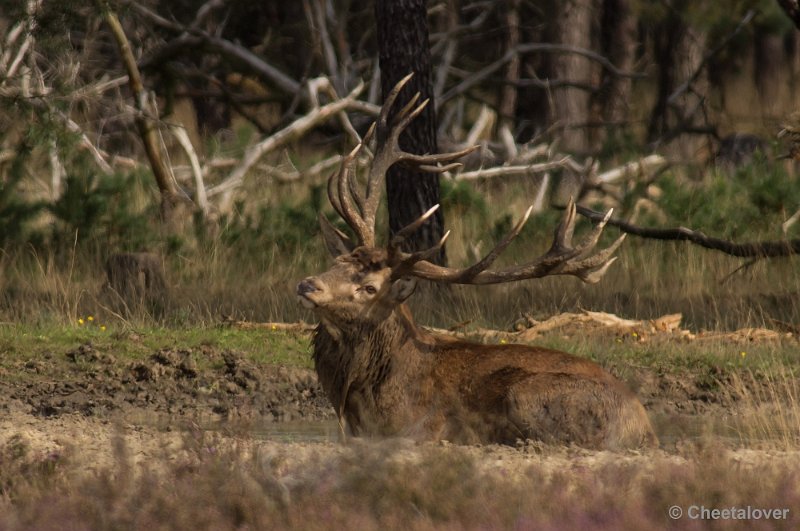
(359, 212)
(561, 259)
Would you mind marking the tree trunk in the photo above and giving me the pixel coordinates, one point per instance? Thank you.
(769, 60)
(402, 31)
(508, 96)
(571, 105)
(619, 43)
(679, 52)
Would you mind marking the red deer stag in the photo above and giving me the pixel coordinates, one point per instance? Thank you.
(385, 376)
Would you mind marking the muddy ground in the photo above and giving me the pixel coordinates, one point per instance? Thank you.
(227, 385)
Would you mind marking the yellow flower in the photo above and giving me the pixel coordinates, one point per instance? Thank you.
(80, 321)
(743, 353)
(503, 341)
(634, 334)
(103, 328)
(90, 318)
(274, 327)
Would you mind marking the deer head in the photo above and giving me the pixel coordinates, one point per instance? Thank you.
(368, 282)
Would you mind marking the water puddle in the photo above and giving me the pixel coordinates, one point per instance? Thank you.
(297, 431)
(670, 428)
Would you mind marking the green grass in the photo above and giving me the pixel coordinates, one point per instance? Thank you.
(21, 343)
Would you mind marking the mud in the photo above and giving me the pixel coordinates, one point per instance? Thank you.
(198, 383)
(212, 384)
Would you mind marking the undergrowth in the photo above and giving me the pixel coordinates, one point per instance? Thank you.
(216, 484)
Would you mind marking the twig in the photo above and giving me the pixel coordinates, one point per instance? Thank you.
(328, 52)
(786, 225)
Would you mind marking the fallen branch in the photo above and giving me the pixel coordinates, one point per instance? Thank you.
(634, 168)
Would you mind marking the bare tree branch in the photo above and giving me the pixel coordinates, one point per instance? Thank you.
(194, 37)
(509, 171)
(768, 249)
(145, 123)
(289, 133)
(200, 189)
(521, 49)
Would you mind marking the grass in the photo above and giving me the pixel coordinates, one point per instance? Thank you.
(21, 343)
(215, 483)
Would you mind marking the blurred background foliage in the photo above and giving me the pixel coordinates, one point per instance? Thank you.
(66, 109)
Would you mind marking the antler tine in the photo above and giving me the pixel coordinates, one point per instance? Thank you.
(352, 185)
(467, 274)
(333, 194)
(406, 231)
(563, 236)
(585, 247)
(407, 114)
(388, 102)
(439, 169)
(561, 259)
(332, 234)
(406, 264)
(377, 173)
(347, 195)
(406, 111)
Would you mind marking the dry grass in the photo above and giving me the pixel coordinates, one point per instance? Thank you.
(214, 483)
(649, 280)
(767, 414)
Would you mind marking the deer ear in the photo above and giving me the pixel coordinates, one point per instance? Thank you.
(336, 241)
(402, 288)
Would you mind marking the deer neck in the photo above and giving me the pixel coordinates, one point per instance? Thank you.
(367, 355)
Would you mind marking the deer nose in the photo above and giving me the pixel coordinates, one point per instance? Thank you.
(307, 286)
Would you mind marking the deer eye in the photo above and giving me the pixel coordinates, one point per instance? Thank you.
(370, 289)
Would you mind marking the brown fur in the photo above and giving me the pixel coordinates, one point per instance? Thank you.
(385, 376)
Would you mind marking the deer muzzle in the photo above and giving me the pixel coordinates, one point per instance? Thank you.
(307, 287)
